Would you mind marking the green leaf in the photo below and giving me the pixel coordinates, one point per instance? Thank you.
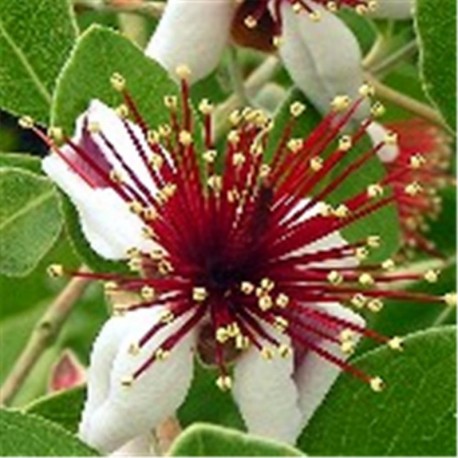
(28, 435)
(413, 416)
(21, 161)
(99, 53)
(436, 29)
(63, 408)
(371, 172)
(209, 440)
(36, 37)
(30, 220)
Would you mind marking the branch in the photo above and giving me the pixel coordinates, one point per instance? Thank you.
(43, 335)
(404, 101)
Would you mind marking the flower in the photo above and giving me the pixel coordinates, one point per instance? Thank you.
(239, 255)
(320, 53)
(420, 161)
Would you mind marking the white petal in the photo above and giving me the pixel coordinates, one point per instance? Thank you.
(106, 221)
(193, 33)
(394, 9)
(377, 134)
(322, 57)
(266, 394)
(132, 411)
(315, 376)
(140, 446)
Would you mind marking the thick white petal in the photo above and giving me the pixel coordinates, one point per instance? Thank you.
(315, 376)
(266, 394)
(103, 353)
(322, 57)
(107, 223)
(140, 446)
(193, 33)
(394, 9)
(132, 411)
(377, 134)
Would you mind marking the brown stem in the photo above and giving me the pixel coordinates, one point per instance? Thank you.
(43, 335)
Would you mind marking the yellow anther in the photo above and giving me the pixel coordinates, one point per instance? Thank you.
(335, 278)
(267, 353)
(375, 305)
(264, 171)
(136, 207)
(332, 6)
(267, 284)
(366, 279)
(205, 107)
(296, 109)
(199, 294)
(224, 382)
(110, 287)
(277, 41)
(183, 72)
(345, 143)
(282, 300)
(417, 161)
(431, 276)
(238, 159)
(164, 267)
(315, 16)
(366, 90)
(347, 347)
(133, 349)
(316, 163)
(55, 270)
(414, 188)
(185, 138)
(297, 7)
(26, 122)
(294, 145)
(161, 354)
(215, 182)
(340, 103)
(135, 264)
(450, 299)
(391, 138)
(372, 5)
(325, 209)
(284, 350)
(375, 190)
(167, 316)
(127, 381)
(118, 82)
(115, 176)
(210, 156)
(377, 109)
(358, 300)
(377, 384)
(235, 117)
(165, 130)
(247, 287)
(242, 342)
(341, 211)
(171, 102)
(373, 241)
(396, 343)
(265, 302)
(361, 253)
(153, 136)
(389, 264)
(280, 323)
(250, 22)
(361, 9)
(233, 137)
(150, 213)
(122, 111)
(57, 134)
(221, 335)
(148, 232)
(233, 330)
(147, 293)
(347, 334)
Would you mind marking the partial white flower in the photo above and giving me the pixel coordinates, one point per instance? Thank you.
(243, 254)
